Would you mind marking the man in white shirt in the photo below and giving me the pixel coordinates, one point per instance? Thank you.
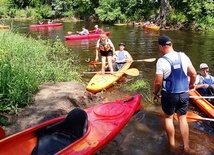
(172, 72)
(204, 82)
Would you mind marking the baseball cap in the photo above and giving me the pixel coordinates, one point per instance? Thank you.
(203, 65)
(122, 44)
(164, 40)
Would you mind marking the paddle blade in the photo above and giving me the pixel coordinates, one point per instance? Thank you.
(69, 32)
(146, 60)
(132, 72)
(93, 63)
(2, 133)
(192, 117)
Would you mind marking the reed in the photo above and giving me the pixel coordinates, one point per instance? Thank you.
(140, 86)
(25, 63)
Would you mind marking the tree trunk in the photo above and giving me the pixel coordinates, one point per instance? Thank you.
(164, 8)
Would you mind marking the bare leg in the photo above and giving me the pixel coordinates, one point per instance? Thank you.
(184, 129)
(103, 64)
(109, 58)
(170, 129)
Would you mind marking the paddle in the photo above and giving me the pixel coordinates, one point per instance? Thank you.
(201, 96)
(132, 72)
(146, 60)
(192, 117)
(69, 32)
(2, 133)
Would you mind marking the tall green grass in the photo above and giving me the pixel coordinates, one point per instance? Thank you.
(25, 63)
(141, 86)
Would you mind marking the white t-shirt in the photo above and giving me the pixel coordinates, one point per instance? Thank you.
(164, 67)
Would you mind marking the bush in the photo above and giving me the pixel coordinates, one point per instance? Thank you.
(44, 11)
(174, 17)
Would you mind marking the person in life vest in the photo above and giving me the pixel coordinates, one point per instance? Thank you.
(83, 32)
(172, 72)
(96, 30)
(204, 82)
(106, 49)
(120, 57)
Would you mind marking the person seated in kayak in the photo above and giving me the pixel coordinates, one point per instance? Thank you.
(49, 21)
(39, 22)
(204, 81)
(120, 57)
(106, 49)
(96, 30)
(83, 32)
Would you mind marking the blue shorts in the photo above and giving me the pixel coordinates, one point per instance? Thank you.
(174, 102)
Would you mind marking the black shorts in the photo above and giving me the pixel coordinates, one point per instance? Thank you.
(106, 53)
(175, 102)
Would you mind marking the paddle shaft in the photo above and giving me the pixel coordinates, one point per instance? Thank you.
(201, 97)
(146, 60)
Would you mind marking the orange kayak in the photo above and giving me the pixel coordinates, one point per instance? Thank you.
(91, 130)
(151, 27)
(202, 103)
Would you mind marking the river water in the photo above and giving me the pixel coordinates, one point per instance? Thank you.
(144, 134)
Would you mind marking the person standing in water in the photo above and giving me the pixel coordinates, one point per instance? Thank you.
(107, 50)
(172, 73)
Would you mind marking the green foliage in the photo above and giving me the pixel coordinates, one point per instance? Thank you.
(142, 86)
(12, 13)
(109, 11)
(3, 8)
(26, 63)
(174, 17)
(44, 11)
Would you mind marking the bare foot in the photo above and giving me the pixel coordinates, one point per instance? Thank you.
(189, 151)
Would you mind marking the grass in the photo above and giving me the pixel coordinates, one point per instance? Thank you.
(142, 86)
(25, 63)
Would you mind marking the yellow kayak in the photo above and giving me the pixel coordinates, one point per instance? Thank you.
(100, 81)
(4, 27)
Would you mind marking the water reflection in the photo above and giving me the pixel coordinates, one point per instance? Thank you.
(144, 134)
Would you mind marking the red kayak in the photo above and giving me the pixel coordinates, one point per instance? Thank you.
(81, 132)
(79, 37)
(45, 25)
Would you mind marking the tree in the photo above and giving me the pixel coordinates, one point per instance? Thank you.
(164, 9)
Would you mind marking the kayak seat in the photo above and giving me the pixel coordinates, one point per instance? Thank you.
(54, 138)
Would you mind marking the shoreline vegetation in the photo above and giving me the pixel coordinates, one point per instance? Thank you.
(179, 15)
(26, 63)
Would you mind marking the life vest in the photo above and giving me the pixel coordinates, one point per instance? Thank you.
(97, 31)
(206, 80)
(104, 46)
(120, 56)
(177, 81)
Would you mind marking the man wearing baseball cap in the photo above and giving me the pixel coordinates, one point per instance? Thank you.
(204, 82)
(171, 78)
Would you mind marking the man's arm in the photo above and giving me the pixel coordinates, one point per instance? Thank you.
(191, 72)
(157, 83)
